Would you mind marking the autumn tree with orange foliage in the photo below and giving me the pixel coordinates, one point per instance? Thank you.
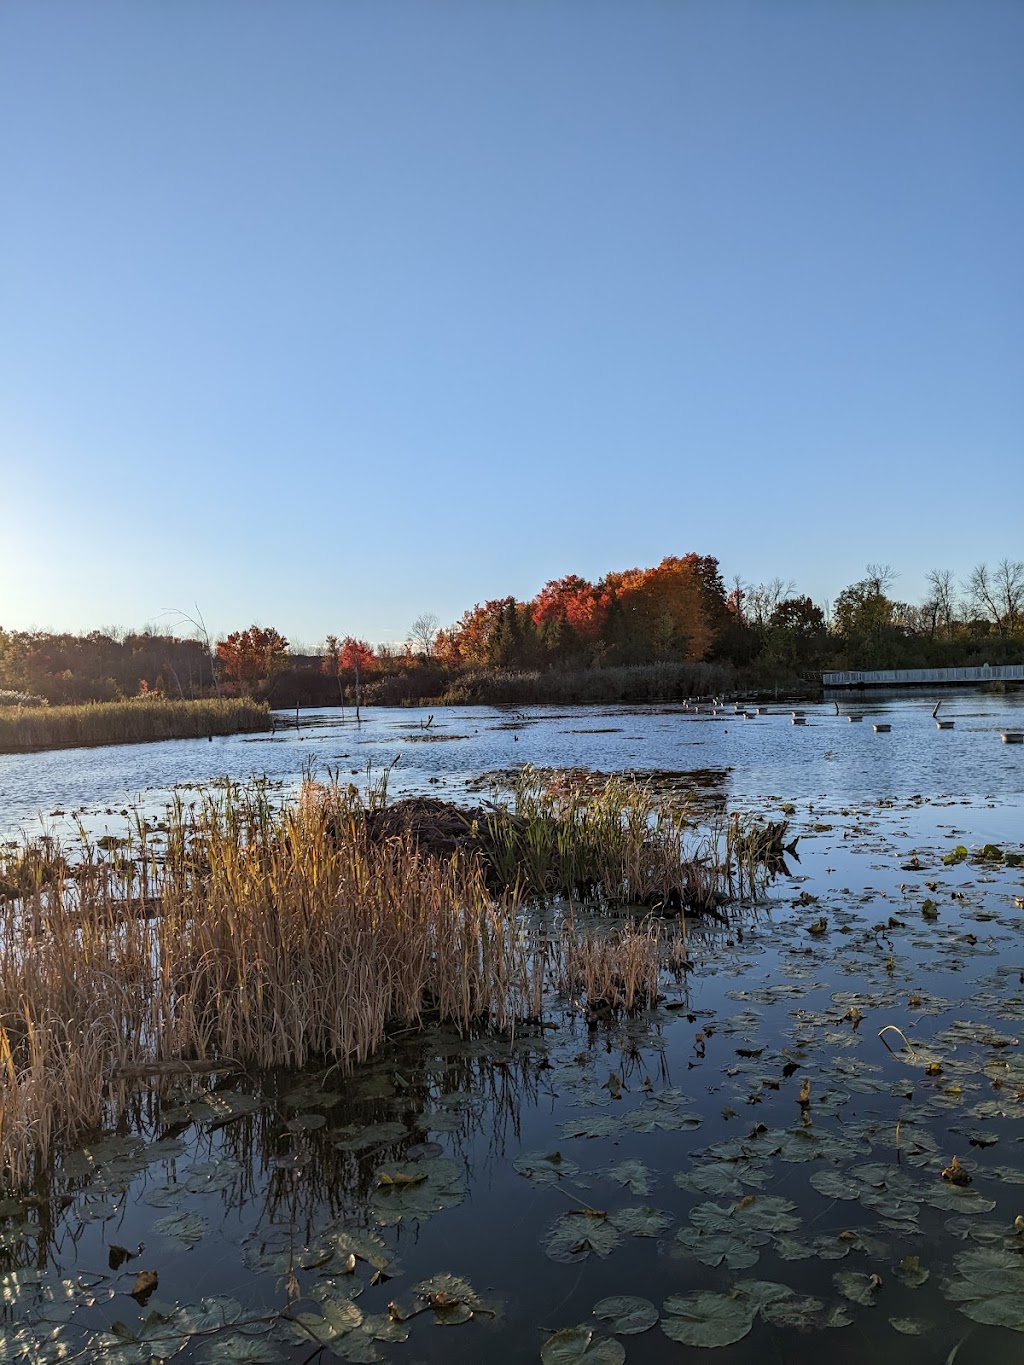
(675, 611)
(569, 613)
(483, 636)
(357, 654)
(248, 657)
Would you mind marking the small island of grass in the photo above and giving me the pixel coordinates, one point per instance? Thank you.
(24, 729)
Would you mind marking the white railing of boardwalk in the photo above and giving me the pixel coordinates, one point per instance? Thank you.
(907, 677)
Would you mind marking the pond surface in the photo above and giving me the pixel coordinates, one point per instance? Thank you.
(441, 751)
(751, 1158)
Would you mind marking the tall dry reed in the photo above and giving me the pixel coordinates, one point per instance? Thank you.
(266, 936)
(127, 722)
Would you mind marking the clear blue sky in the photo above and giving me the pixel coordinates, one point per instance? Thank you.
(326, 313)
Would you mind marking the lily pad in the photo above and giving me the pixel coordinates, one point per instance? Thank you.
(707, 1319)
(579, 1234)
(356, 1136)
(910, 1327)
(581, 1346)
(641, 1222)
(416, 1190)
(803, 1312)
(452, 1299)
(237, 1349)
(545, 1168)
(361, 1243)
(716, 1248)
(989, 1286)
(633, 1174)
(182, 1229)
(626, 1315)
(591, 1127)
(857, 1287)
(911, 1272)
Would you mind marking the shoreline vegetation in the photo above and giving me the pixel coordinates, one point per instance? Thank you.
(28, 729)
(670, 632)
(239, 934)
(32, 725)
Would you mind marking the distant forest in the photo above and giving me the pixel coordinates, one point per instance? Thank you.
(671, 630)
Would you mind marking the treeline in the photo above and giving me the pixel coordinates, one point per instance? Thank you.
(673, 630)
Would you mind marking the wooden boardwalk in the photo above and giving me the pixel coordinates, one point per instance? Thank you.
(926, 677)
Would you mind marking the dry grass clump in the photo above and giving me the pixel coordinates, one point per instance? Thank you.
(25, 728)
(10, 697)
(267, 937)
(613, 840)
(608, 972)
(255, 935)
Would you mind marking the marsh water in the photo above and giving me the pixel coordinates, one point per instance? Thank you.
(442, 751)
(752, 1170)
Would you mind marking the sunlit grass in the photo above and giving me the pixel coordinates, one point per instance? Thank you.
(126, 722)
(269, 936)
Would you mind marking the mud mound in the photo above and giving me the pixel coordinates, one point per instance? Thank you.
(436, 827)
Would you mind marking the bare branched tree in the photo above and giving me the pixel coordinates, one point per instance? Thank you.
(198, 625)
(424, 633)
(880, 578)
(762, 599)
(942, 599)
(997, 595)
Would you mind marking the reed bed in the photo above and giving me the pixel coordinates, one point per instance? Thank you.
(247, 934)
(267, 937)
(24, 728)
(636, 683)
(605, 973)
(607, 838)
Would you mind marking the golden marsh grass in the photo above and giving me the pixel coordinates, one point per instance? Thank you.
(24, 728)
(248, 934)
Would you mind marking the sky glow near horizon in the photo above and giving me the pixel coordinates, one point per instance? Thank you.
(325, 315)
